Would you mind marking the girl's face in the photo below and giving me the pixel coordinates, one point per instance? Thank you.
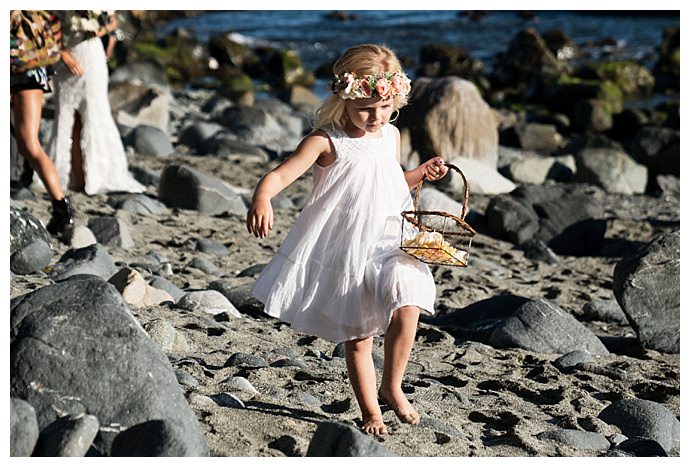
(368, 115)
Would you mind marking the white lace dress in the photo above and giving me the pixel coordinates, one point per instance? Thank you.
(105, 161)
(340, 274)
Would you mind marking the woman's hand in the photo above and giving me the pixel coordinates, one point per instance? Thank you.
(260, 217)
(434, 169)
(71, 63)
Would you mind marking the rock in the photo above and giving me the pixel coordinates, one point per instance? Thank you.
(542, 138)
(658, 149)
(208, 301)
(481, 178)
(613, 170)
(604, 310)
(69, 436)
(244, 359)
(31, 258)
(647, 287)
(259, 127)
(645, 419)
(152, 141)
(642, 447)
(138, 203)
(23, 428)
(333, 439)
(184, 187)
(240, 296)
(136, 291)
(79, 339)
(240, 383)
(543, 327)
(140, 104)
(167, 337)
(111, 231)
(536, 170)
(210, 246)
(196, 133)
(537, 250)
(228, 146)
(25, 229)
(206, 265)
(578, 439)
(153, 438)
(82, 237)
(569, 219)
(164, 284)
(92, 259)
(571, 359)
(448, 117)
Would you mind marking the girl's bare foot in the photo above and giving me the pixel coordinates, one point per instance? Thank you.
(397, 401)
(374, 425)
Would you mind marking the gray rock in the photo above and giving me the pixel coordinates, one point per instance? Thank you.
(642, 447)
(333, 439)
(111, 231)
(23, 428)
(92, 259)
(186, 380)
(152, 141)
(153, 438)
(645, 419)
(611, 169)
(226, 145)
(206, 265)
(208, 301)
(647, 287)
(164, 284)
(244, 359)
(25, 229)
(571, 359)
(210, 246)
(225, 399)
(604, 310)
(578, 439)
(536, 170)
(79, 339)
(195, 134)
(539, 137)
(69, 436)
(240, 296)
(240, 383)
(166, 336)
(139, 204)
(541, 326)
(181, 186)
(31, 258)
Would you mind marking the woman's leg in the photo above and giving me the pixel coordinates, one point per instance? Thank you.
(360, 369)
(27, 106)
(77, 166)
(397, 346)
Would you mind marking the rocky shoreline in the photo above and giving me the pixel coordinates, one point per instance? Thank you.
(140, 338)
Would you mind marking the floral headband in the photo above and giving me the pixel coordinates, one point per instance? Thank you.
(352, 86)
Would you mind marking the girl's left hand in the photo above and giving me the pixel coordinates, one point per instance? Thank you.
(434, 169)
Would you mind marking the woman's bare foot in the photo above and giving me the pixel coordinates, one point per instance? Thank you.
(397, 401)
(374, 425)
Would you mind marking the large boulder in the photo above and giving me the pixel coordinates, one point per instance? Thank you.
(611, 169)
(542, 326)
(448, 117)
(25, 229)
(185, 187)
(75, 349)
(647, 287)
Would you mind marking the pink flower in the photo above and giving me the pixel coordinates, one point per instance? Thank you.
(397, 83)
(349, 80)
(383, 87)
(365, 88)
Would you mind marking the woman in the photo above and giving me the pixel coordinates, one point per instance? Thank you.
(85, 143)
(26, 98)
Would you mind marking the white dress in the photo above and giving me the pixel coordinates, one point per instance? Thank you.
(340, 273)
(105, 161)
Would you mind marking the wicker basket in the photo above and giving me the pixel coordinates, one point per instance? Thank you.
(438, 237)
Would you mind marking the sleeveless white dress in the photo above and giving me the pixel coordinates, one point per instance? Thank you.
(105, 161)
(340, 274)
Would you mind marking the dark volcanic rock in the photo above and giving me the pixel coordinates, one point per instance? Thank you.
(79, 339)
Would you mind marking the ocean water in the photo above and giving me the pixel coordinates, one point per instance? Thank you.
(319, 40)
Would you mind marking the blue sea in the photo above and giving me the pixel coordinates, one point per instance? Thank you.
(319, 40)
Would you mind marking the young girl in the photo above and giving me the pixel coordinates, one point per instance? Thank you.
(340, 274)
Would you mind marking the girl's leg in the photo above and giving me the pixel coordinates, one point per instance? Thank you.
(27, 105)
(397, 346)
(360, 369)
(77, 166)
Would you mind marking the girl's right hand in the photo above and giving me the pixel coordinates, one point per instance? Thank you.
(260, 218)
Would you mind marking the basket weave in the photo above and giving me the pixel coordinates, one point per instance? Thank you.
(438, 237)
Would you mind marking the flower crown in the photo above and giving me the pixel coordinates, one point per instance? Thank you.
(353, 86)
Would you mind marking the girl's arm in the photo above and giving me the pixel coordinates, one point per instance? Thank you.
(260, 214)
(432, 170)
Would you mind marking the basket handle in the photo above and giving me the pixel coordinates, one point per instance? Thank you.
(464, 180)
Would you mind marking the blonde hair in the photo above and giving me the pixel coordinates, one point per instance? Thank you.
(363, 59)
